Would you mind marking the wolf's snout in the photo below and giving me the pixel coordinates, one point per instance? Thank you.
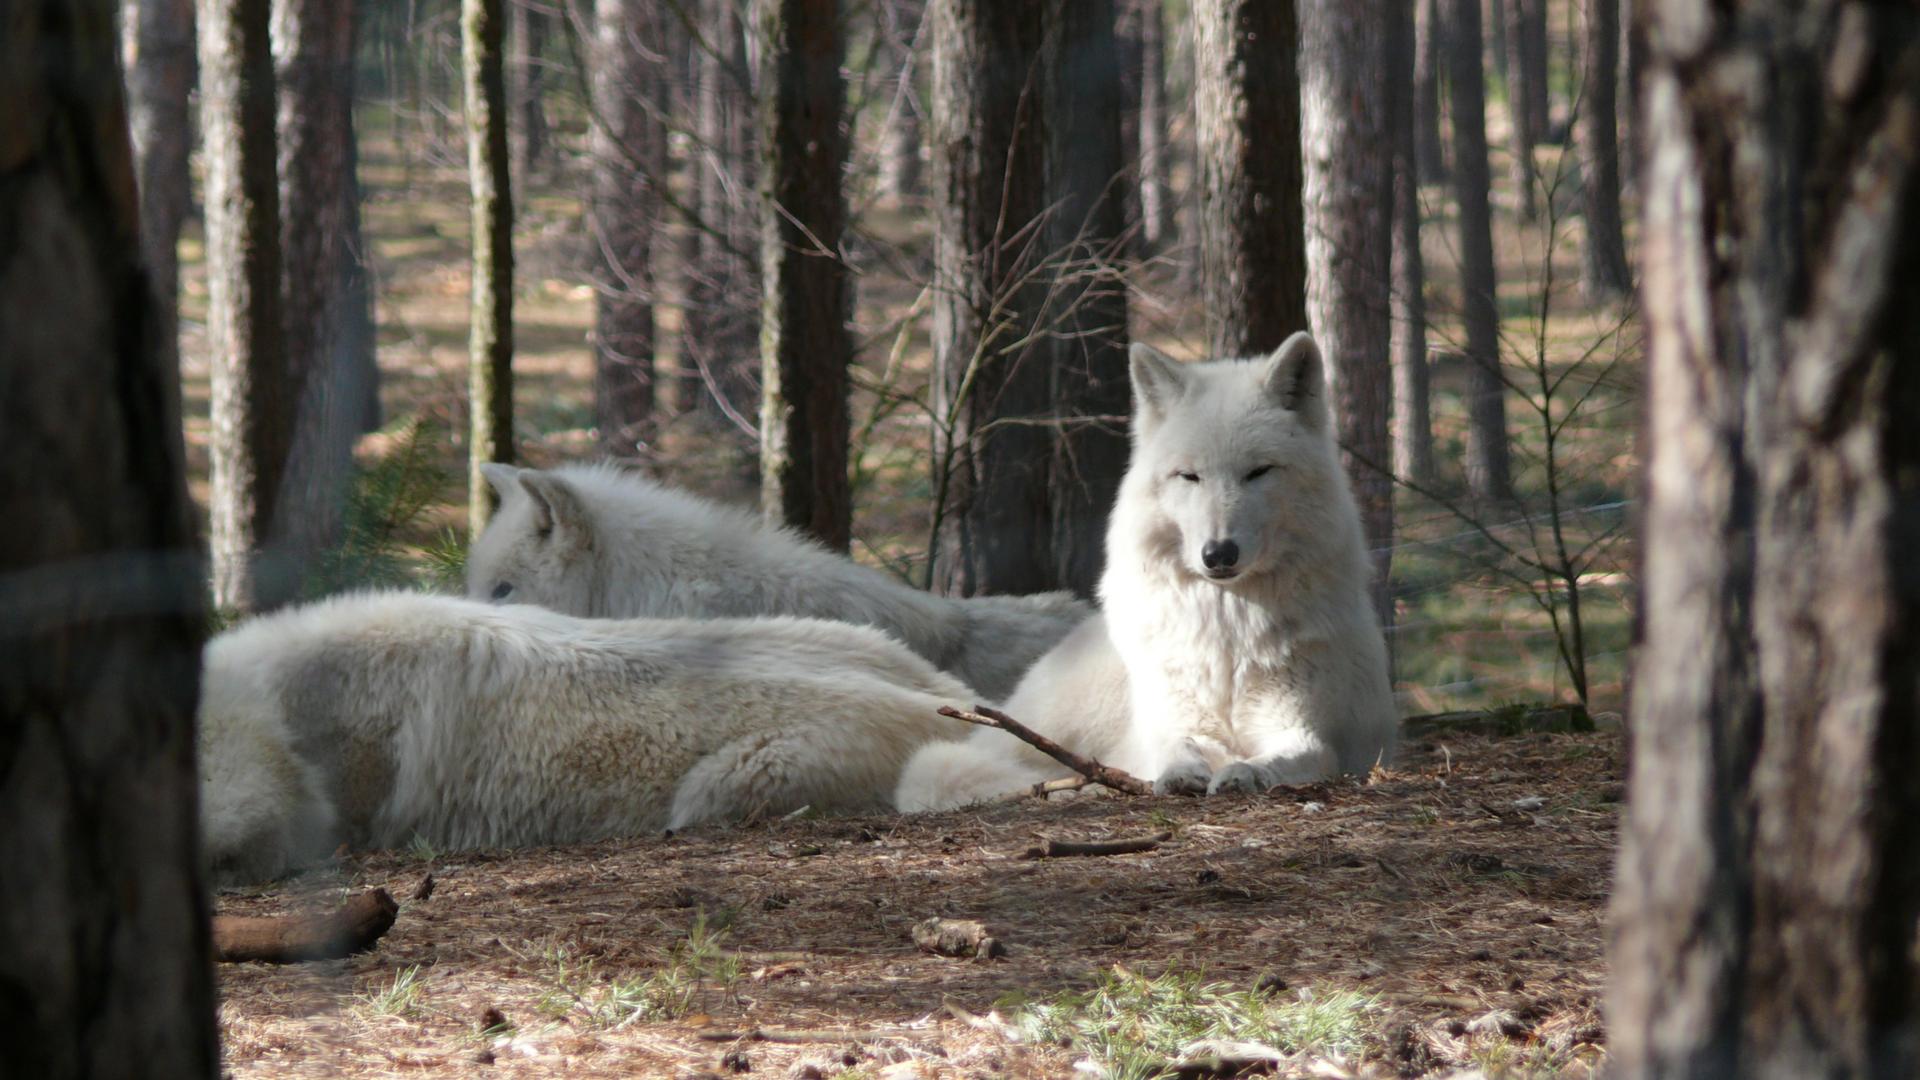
(1219, 555)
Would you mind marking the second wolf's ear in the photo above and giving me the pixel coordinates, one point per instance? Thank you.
(504, 479)
(1158, 382)
(557, 511)
(1296, 380)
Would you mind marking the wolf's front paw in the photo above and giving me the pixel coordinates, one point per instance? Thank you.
(1240, 778)
(1186, 778)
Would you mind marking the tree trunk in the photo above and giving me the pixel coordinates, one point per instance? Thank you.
(1526, 22)
(253, 394)
(900, 173)
(629, 159)
(490, 313)
(329, 321)
(1498, 21)
(531, 138)
(1086, 234)
(1413, 430)
(1767, 897)
(103, 936)
(1604, 274)
(1141, 37)
(159, 80)
(1535, 97)
(1487, 459)
(1429, 61)
(1253, 260)
(719, 343)
(989, 143)
(805, 347)
(1346, 119)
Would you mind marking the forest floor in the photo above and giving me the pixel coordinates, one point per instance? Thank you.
(1443, 917)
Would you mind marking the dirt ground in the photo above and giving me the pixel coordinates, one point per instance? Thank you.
(1461, 892)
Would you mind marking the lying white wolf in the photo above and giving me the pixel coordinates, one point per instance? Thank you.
(373, 718)
(1237, 648)
(595, 542)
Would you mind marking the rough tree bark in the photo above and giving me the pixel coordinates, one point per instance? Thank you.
(329, 317)
(1429, 62)
(1767, 897)
(1603, 264)
(805, 347)
(253, 396)
(103, 936)
(490, 311)
(1253, 260)
(628, 146)
(989, 144)
(1412, 418)
(1525, 29)
(1346, 121)
(1086, 174)
(159, 36)
(1487, 455)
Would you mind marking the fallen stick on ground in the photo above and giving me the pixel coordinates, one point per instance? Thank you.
(1044, 788)
(290, 939)
(1057, 849)
(1105, 775)
(795, 1035)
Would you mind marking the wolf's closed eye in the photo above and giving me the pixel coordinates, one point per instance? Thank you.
(1189, 477)
(1259, 472)
(502, 591)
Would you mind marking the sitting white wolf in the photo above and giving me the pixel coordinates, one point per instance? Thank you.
(370, 719)
(596, 542)
(1237, 648)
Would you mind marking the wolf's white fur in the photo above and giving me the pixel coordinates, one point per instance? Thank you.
(1271, 671)
(596, 542)
(374, 718)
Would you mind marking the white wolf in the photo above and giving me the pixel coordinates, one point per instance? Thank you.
(1237, 648)
(595, 542)
(373, 718)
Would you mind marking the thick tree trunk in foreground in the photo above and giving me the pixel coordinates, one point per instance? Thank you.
(1487, 457)
(1767, 896)
(1412, 418)
(804, 342)
(629, 158)
(1253, 259)
(1346, 116)
(490, 311)
(159, 81)
(254, 396)
(103, 935)
(990, 290)
(1604, 273)
(1086, 172)
(329, 317)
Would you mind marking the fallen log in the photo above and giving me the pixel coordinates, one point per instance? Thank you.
(1057, 849)
(1104, 775)
(291, 939)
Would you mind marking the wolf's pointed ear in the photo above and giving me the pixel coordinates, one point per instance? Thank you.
(556, 505)
(504, 479)
(1158, 382)
(1296, 379)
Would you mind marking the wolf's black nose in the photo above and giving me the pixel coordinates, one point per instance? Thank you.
(1220, 554)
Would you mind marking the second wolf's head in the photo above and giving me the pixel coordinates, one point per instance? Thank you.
(538, 549)
(1233, 472)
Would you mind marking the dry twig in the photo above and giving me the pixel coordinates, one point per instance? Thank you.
(1055, 849)
(1105, 775)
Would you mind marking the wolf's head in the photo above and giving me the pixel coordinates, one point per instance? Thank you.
(1233, 461)
(539, 547)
